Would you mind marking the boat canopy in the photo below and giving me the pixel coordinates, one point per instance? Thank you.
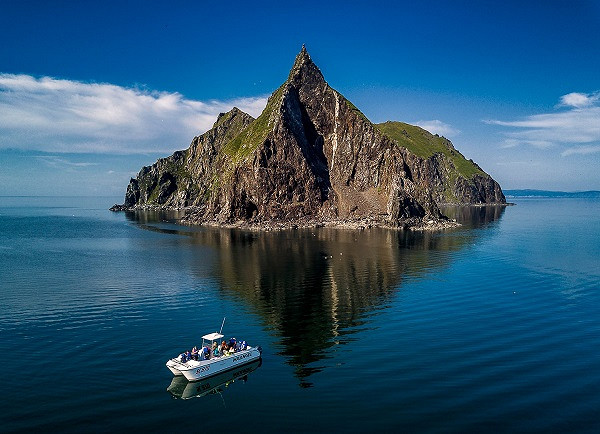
(212, 336)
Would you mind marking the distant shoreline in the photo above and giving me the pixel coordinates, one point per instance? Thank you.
(552, 194)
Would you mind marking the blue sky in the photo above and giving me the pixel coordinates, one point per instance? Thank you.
(92, 91)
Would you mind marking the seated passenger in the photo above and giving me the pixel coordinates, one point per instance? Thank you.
(215, 349)
(223, 348)
(194, 353)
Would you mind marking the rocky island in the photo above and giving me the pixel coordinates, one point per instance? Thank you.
(312, 158)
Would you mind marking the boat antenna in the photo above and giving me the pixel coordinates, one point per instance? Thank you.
(222, 324)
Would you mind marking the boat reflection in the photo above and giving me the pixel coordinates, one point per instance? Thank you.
(180, 388)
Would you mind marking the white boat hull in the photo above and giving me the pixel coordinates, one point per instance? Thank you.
(194, 370)
(171, 365)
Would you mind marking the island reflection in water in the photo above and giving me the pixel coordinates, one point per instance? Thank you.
(315, 288)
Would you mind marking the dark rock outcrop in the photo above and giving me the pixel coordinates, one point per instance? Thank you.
(311, 157)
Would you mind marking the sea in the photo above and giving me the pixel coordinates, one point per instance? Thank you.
(490, 327)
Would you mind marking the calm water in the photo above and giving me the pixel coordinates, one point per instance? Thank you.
(493, 327)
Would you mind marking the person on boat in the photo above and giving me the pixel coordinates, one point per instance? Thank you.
(205, 353)
(195, 353)
(182, 358)
(232, 344)
(215, 349)
(224, 348)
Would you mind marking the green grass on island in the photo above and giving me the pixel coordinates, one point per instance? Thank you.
(424, 144)
(256, 133)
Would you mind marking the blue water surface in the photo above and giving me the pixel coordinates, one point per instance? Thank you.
(494, 326)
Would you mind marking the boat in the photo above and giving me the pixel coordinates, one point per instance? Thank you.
(180, 388)
(206, 363)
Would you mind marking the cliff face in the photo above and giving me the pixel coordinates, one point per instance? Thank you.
(312, 155)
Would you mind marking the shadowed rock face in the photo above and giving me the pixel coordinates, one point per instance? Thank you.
(311, 156)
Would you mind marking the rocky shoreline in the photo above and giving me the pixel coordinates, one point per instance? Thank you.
(193, 217)
(359, 224)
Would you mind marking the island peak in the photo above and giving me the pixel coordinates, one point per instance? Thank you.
(312, 158)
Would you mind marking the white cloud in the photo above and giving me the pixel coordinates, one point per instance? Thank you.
(55, 161)
(583, 150)
(438, 127)
(578, 124)
(540, 144)
(579, 100)
(52, 115)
